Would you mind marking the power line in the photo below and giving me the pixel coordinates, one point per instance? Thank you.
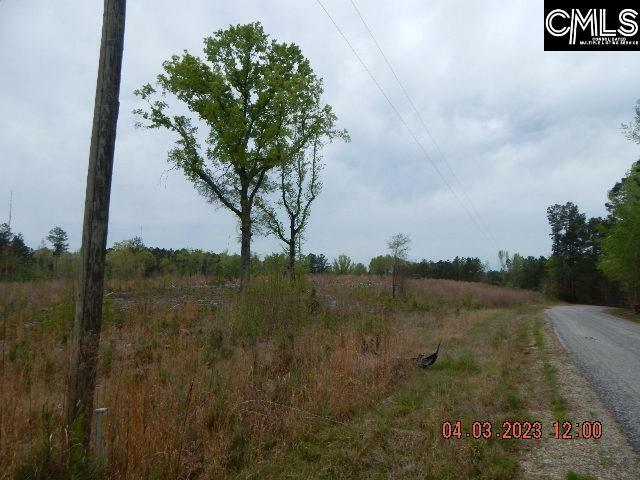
(422, 122)
(402, 120)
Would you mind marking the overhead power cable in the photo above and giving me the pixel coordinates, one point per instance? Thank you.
(404, 123)
(422, 122)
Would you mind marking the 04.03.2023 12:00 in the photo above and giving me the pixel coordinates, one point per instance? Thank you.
(522, 430)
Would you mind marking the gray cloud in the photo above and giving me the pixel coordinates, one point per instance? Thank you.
(522, 128)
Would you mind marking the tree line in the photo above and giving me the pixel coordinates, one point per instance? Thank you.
(19, 262)
(592, 261)
(597, 260)
(133, 259)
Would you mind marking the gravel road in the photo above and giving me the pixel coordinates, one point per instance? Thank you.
(606, 350)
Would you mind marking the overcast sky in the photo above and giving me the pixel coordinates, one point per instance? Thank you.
(521, 128)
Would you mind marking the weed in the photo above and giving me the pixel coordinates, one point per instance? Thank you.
(512, 400)
(462, 363)
(43, 459)
(20, 354)
(144, 353)
(571, 475)
(558, 403)
(106, 358)
(215, 348)
(537, 334)
(59, 319)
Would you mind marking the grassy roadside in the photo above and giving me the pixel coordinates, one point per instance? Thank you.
(290, 381)
(566, 396)
(558, 403)
(484, 373)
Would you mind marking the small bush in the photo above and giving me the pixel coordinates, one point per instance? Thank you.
(59, 319)
(270, 303)
(571, 475)
(20, 354)
(43, 459)
(214, 347)
(465, 362)
(512, 400)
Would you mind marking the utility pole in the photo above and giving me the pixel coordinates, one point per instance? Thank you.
(88, 314)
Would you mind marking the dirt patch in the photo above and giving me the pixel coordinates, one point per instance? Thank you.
(609, 458)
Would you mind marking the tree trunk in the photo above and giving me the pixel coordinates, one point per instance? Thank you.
(394, 278)
(245, 247)
(88, 314)
(292, 250)
(292, 258)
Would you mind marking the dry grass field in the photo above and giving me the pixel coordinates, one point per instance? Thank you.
(311, 380)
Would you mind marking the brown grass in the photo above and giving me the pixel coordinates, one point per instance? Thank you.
(202, 385)
(344, 290)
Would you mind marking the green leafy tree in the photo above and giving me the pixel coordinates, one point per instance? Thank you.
(251, 94)
(15, 256)
(398, 248)
(59, 241)
(381, 265)
(6, 235)
(618, 192)
(620, 258)
(229, 265)
(195, 262)
(460, 268)
(129, 258)
(342, 265)
(521, 272)
(631, 130)
(274, 263)
(573, 272)
(569, 244)
(299, 186)
(318, 263)
(359, 269)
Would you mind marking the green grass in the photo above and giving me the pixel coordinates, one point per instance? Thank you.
(571, 475)
(475, 378)
(557, 402)
(462, 363)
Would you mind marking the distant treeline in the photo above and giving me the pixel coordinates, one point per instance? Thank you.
(131, 258)
(594, 260)
(460, 268)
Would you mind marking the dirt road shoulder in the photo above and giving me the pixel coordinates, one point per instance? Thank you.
(608, 458)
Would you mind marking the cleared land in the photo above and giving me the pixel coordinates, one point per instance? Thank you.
(310, 381)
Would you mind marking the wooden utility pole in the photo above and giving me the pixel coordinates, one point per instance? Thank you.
(88, 315)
